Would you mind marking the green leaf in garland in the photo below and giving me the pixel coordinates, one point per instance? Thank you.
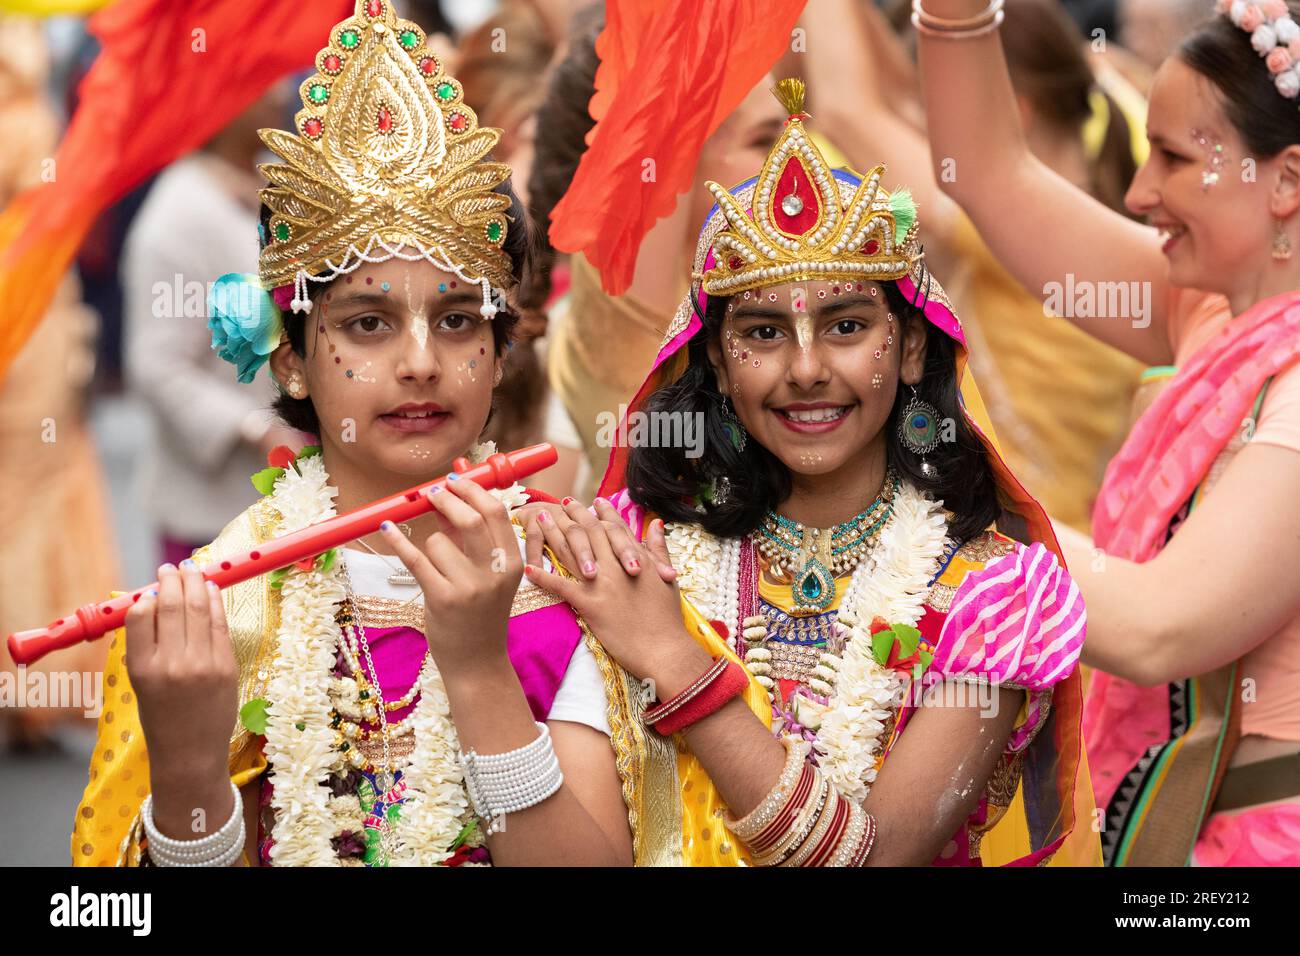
(882, 642)
(264, 480)
(253, 715)
(466, 832)
(325, 560)
(309, 451)
(927, 658)
(276, 578)
(908, 639)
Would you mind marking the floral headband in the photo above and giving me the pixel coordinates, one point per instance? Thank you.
(1273, 34)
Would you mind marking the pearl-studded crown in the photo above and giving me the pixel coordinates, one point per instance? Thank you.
(800, 228)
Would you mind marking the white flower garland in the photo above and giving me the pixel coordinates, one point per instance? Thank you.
(306, 816)
(892, 584)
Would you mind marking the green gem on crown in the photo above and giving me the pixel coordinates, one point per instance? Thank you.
(409, 39)
(445, 91)
(282, 231)
(348, 39)
(319, 93)
(494, 232)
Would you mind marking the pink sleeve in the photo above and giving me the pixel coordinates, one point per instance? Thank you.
(1018, 622)
(1279, 416)
(629, 511)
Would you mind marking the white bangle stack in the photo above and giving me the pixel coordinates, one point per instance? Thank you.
(221, 848)
(499, 784)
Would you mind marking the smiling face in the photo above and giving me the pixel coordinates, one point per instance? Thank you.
(812, 369)
(1213, 211)
(399, 366)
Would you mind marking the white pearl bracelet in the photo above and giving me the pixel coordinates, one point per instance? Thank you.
(500, 784)
(220, 848)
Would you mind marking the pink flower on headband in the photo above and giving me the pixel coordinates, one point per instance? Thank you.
(283, 295)
(1294, 49)
(1275, 9)
(1252, 19)
(1279, 59)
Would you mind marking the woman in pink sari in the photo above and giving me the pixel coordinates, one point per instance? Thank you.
(1193, 718)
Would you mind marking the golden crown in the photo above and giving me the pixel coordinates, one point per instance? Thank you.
(801, 227)
(387, 159)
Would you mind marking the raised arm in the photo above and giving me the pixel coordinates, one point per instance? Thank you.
(1042, 228)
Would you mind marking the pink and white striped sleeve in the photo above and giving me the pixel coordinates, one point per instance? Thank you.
(1017, 622)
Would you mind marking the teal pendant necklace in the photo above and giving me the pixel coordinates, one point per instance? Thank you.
(815, 557)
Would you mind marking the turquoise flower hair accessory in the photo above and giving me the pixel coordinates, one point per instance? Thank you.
(245, 323)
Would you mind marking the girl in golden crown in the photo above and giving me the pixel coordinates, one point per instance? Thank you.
(870, 672)
(404, 701)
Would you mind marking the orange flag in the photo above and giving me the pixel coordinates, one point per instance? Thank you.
(170, 74)
(670, 72)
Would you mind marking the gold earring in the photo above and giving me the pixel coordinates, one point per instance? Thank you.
(295, 385)
(1281, 244)
(496, 379)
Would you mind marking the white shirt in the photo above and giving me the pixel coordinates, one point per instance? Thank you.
(581, 697)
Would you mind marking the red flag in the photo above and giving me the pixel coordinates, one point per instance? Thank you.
(670, 72)
(170, 74)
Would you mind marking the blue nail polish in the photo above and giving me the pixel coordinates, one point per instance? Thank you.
(153, 592)
(212, 585)
(167, 567)
(386, 525)
(453, 476)
(435, 489)
(188, 563)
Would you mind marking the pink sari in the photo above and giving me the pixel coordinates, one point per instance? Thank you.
(1134, 734)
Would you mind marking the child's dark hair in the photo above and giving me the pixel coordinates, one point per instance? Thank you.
(1222, 52)
(519, 245)
(667, 482)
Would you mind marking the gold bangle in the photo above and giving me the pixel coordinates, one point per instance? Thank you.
(798, 832)
(985, 23)
(754, 822)
(814, 841)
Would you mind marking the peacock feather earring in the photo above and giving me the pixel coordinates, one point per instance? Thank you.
(731, 424)
(918, 428)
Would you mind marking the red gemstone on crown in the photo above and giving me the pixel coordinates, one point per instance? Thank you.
(735, 262)
(375, 8)
(385, 121)
(797, 204)
(332, 64)
(313, 127)
(428, 66)
(458, 122)
(871, 247)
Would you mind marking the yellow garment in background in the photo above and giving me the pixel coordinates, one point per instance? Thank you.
(599, 356)
(1059, 398)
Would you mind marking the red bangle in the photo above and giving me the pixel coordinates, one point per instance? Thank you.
(733, 680)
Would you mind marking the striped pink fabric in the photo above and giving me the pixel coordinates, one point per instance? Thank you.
(1018, 620)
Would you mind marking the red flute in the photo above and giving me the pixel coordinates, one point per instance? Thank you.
(94, 620)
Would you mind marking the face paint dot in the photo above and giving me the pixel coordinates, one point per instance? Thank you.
(473, 363)
(835, 289)
(321, 329)
(328, 296)
(821, 293)
(859, 286)
(771, 297)
(874, 292)
(482, 351)
(349, 280)
(385, 286)
(746, 295)
(331, 348)
(442, 287)
(756, 363)
(453, 283)
(877, 353)
(349, 373)
(370, 280)
(337, 360)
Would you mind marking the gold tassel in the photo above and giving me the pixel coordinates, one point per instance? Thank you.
(790, 93)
